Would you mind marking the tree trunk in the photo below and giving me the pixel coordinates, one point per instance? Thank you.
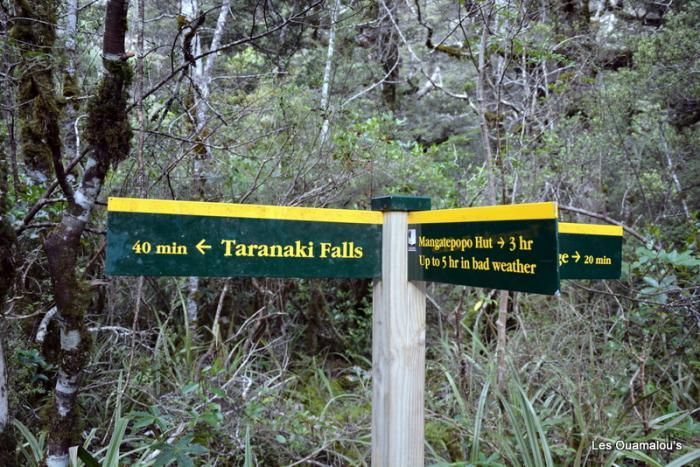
(71, 88)
(672, 172)
(6, 439)
(7, 272)
(327, 76)
(201, 77)
(7, 442)
(108, 134)
(4, 407)
(389, 51)
(502, 342)
(8, 59)
(35, 32)
(492, 148)
(482, 110)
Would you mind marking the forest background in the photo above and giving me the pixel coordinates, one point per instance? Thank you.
(328, 103)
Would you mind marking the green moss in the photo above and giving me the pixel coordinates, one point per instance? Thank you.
(70, 86)
(108, 129)
(456, 52)
(35, 35)
(7, 267)
(21, 32)
(68, 434)
(200, 149)
(442, 436)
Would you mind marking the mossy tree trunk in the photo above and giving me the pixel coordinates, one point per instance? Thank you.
(34, 31)
(108, 134)
(7, 272)
(6, 444)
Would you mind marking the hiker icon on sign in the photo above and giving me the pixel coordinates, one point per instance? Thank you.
(411, 239)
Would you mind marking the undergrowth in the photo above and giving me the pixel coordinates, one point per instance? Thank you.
(254, 395)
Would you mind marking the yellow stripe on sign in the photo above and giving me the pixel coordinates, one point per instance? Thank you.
(511, 212)
(590, 229)
(249, 211)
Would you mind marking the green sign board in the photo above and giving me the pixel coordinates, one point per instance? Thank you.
(589, 251)
(186, 238)
(501, 247)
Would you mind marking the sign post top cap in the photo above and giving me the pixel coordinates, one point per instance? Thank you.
(401, 203)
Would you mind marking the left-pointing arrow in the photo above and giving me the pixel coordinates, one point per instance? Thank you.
(202, 245)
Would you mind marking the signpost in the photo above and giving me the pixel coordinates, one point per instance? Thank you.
(186, 238)
(588, 251)
(502, 247)
(398, 344)
(518, 247)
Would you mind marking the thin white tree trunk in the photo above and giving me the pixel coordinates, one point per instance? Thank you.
(140, 78)
(500, 27)
(71, 29)
(482, 109)
(674, 175)
(71, 74)
(201, 76)
(490, 160)
(189, 11)
(502, 342)
(4, 407)
(327, 75)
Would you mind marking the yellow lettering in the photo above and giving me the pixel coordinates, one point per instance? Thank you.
(228, 244)
(358, 252)
(336, 252)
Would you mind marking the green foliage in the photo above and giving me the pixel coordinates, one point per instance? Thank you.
(32, 361)
(245, 61)
(685, 459)
(32, 449)
(111, 458)
(153, 417)
(287, 378)
(178, 452)
(373, 150)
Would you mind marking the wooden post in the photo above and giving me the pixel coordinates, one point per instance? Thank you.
(398, 344)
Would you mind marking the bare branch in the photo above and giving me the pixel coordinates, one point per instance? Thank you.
(610, 220)
(230, 45)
